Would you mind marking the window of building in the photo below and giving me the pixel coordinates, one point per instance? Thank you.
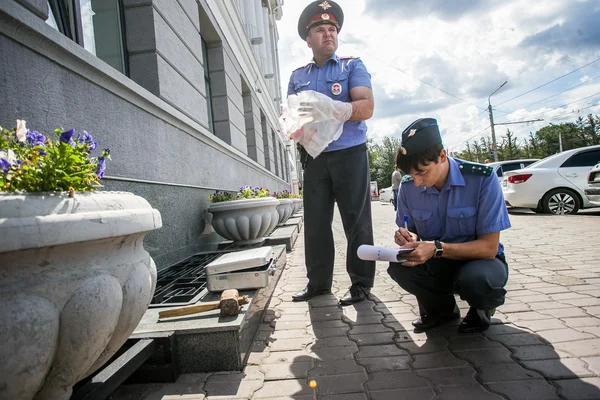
(96, 25)
(209, 107)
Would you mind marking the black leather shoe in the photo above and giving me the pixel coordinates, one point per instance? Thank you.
(476, 320)
(308, 293)
(427, 322)
(355, 294)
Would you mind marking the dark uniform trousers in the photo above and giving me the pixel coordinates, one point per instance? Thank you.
(340, 176)
(479, 282)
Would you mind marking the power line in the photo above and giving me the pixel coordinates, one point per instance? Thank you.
(547, 83)
(414, 77)
(465, 141)
(566, 90)
(574, 111)
(564, 105)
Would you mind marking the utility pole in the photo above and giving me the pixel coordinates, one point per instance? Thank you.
(560, 140)
(492, 122)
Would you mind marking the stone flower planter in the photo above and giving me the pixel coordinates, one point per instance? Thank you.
(285, 209)
(245, 221)
(75, 281)
(297, 205)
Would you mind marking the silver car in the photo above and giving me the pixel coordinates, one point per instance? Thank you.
(592, 191)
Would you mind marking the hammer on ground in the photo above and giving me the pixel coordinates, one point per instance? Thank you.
(229, 305)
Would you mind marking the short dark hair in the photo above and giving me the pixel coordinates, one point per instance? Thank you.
(407, 163)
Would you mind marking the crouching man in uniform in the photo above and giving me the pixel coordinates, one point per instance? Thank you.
(455, 212)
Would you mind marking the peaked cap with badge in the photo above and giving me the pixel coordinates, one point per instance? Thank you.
(420, 135)
(425, 133)
(318, 13)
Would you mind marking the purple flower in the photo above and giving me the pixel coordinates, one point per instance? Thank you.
(87, 139)
(35, 138)
(5, 165)
(42, 152)
(101, 167)
(67, 136)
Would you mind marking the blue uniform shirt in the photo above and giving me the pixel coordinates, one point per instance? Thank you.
(468, 205)
(335, 78)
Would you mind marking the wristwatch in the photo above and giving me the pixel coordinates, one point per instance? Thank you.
(439, 250)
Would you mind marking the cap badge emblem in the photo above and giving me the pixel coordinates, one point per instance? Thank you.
(325, 16)
(336, 89)
(412, 132)
(325, 5)
(403, 150)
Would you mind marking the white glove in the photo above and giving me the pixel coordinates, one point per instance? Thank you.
(316, 107)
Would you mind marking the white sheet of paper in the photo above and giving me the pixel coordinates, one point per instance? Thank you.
(378, 253)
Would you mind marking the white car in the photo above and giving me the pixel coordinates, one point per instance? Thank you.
(500, 167)
(592, 191)
(386, 195)
(553, 185)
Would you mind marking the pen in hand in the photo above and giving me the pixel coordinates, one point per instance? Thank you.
(406, 222)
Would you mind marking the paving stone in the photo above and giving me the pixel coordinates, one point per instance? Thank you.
(395, 380)
(593, 364)
(582, 321)
(471, 343)
(424, 346)
(237, 388)
(583, 302)
(455, 376)
(345, 396)
(290, 344)
(289, 387)
(334, 353)
(485, 356)
(328, 324)
(287, 334)
(375, 328)
(380, 351)
(527, 316)
(580, 389)
(388, 363)
(466, 392)
(567, 296)
(560, 368)
(565, 312)
(369, 339)
(363, 320)
(537, 389)
(332, 342)
(437, 360)
(290, 325)
(331, 332)
(548, 305)
(403, 394)
(492, 373)
(502, 329)
(330, 368)
(581, 348)
(564, 335)
(543, 352)
(517, 339)
(280, 371)
(338, 384)
(277, 357)
(541, 324)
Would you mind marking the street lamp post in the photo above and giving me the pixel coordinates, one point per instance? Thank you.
(492, 122)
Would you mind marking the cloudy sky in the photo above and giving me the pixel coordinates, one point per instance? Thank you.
(442, 59)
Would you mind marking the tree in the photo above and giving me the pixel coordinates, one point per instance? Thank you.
(382, 160)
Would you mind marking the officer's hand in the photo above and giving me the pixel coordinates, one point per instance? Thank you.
(423, 252)
(404, 236)
(319, 107)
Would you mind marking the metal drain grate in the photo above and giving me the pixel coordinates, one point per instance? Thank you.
(182, 283)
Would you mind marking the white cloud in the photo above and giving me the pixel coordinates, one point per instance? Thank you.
(467, 48)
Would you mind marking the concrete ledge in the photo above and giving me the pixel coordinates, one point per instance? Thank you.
(207, 342)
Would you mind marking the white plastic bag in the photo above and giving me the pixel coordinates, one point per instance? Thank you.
(314, 120)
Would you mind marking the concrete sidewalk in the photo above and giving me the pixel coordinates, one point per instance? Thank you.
(544, 344)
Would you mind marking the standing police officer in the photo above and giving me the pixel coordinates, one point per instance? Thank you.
(455, 212)
(341, 173)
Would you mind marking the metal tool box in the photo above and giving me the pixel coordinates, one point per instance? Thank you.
(247, 269)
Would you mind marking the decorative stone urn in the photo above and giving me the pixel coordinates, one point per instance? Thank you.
(285, 209)
(75, 281)
(245, 221)
(297, 205)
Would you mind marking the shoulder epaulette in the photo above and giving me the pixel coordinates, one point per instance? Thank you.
(472, 168)
(300, 68)
(406, 178)
(348, 58)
